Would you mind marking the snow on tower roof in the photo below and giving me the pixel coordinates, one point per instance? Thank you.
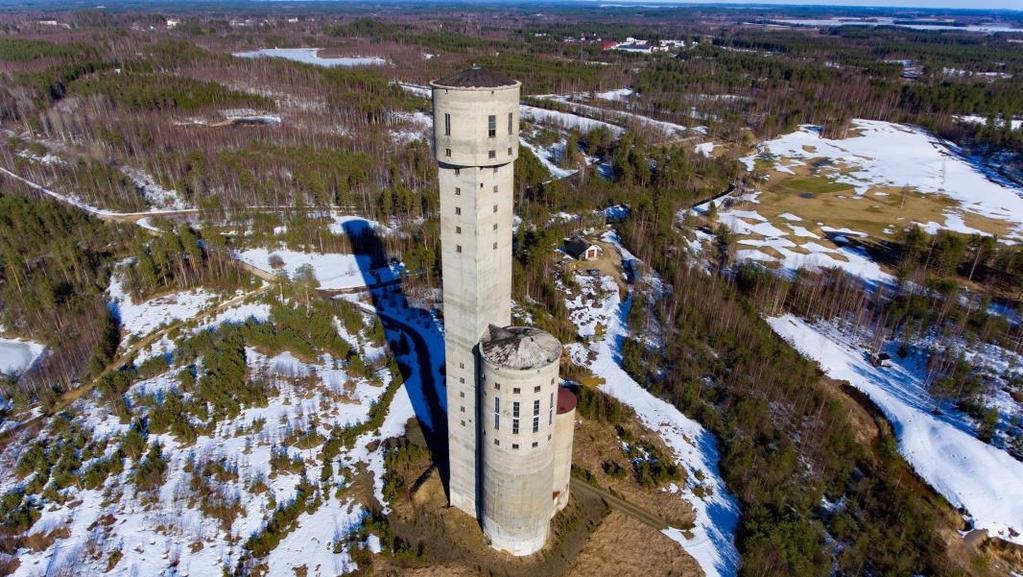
(476, 77)
(519, 347)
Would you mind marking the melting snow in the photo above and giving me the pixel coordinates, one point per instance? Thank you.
(984, 480)
(717, 515)
(16, 355)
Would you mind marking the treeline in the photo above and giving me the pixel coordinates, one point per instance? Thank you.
(774, 80)
(135, 90)
(378, 30)
(182, 258)
(938, 323)
(786, 442)
(53, 269)
(952, 255)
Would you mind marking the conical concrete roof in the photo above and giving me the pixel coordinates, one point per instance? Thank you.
(476, 77)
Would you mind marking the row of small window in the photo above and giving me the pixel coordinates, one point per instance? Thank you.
(491, 125)
(458, 191)
(516, 445)
(458, 229)
(515, 414)
(516, 390)
(458, 172)
(458, 209)
(490, 153)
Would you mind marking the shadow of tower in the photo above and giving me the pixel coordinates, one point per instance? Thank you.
(424, 379)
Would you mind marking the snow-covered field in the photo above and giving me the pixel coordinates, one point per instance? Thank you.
(876, 158)
(312, 56)
(791, 246)
(712, 540)
(333, 271)
(883, 154)
(140, 319)
(16, 355)
(984, 480)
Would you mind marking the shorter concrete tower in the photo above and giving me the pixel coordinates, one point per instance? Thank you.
(519, 392)
(564, 432)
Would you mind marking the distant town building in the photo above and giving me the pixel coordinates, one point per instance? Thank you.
(510, 425)
(638, 46)
(173, 22)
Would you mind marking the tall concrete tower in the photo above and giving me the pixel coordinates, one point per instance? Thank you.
(502, 392)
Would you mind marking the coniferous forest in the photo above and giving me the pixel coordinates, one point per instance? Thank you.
(208, 248)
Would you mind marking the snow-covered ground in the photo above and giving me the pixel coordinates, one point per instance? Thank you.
(705, 148)
(312, 56)
(156, 196)
(565, 120)
(984, 480)
(1015, 123)
(669, 129)
(140, 319)
(712, 540)
(166, 533)
(615, 95)
(333, 271)
(793, 250)
(547, 158)
(883, 154)
(414, 126)
(16, 355)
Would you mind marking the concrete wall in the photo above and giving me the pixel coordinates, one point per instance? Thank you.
(518, 468)
(476, 213)
(564, 433)
(469, 142)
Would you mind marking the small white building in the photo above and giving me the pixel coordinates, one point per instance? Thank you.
(582, 249)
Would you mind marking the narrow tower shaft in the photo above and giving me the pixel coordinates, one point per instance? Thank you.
(476, 135)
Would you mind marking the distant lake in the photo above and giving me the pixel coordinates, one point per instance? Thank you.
(915, 25)
(312, 56)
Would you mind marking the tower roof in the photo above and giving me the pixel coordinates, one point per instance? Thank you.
(476, 77)
(519, 347)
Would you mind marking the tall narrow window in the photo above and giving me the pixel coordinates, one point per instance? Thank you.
(515, 418)
(536, 415)
(497, 413)
(510, 131)
(491, 126)
(550, 411)
(447, 124)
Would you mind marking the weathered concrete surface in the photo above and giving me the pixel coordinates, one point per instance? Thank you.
(476, 253)
(519, 396)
